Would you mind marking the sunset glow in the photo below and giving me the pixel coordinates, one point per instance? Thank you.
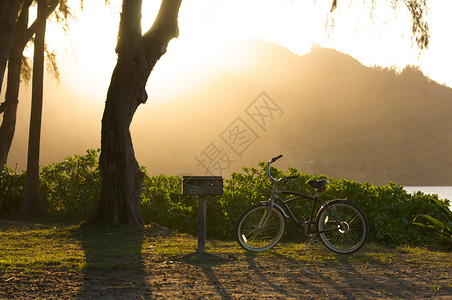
(208, 30)
(208, 27)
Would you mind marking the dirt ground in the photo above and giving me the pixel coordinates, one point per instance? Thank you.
(240, 276)
(237, 275)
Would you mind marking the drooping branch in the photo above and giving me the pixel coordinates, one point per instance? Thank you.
(418, 10)
(419, 27)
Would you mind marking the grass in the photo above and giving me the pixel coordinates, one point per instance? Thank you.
(39, 249)
(78, 247)
(70, 261)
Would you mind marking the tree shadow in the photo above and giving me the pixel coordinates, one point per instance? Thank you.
(114, 263)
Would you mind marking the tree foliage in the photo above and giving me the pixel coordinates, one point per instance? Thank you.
(417, 9)
(443, 226)
(70, 189)
(20, 66)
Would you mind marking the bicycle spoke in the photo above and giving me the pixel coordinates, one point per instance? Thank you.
(260, 228)
(351, 231)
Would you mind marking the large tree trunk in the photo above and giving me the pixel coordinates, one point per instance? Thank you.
(8, 16)
(119, 201)
(33, 205)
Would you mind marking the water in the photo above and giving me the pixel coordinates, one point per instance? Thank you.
(443, 192)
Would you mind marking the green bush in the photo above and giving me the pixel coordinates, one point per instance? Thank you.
(162, 202)
(389, 210)
(12, 191)
(71, 188)
(442, 226)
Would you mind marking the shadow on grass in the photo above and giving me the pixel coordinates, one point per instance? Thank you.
(114, 264)
(207, 261)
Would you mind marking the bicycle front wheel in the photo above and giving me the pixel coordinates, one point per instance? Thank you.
(260, 228)
(349, 234)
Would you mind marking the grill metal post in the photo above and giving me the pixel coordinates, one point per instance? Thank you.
(202, 223)
(202, 186)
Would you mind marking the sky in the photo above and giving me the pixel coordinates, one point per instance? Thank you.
(208, 26)
(86, 55)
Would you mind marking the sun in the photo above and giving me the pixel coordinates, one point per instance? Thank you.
(86, 52)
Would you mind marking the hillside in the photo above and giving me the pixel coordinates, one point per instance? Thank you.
(325, 111)
(336, 117)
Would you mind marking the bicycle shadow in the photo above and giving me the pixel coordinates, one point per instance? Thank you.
(222, 272)
(378, 281)
(271, 279)
(353, 280)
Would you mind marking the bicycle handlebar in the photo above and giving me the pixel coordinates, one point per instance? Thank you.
(273, 179)
(275, 158)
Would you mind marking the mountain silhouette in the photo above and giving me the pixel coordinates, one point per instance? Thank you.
(324, 111)
(337, 117)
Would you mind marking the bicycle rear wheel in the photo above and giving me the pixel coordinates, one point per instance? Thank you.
(260, 227)
(347, 236)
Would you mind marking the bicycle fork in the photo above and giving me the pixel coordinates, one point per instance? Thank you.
(267, 214)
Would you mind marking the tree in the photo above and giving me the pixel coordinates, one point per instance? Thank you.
(18, 66)
(8, 14)
(33, 205)
(119, 200)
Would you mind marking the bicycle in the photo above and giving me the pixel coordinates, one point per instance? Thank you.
(340, 224)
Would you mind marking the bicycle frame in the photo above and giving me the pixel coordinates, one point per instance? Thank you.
(303, 224)
(298, 196)
(339, 224)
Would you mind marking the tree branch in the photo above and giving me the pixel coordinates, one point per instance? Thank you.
(164, 28)
(52, 5)
(129, 35)
(419, 28)
(417, 8)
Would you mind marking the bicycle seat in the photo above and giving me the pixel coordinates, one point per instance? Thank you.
(318, 184)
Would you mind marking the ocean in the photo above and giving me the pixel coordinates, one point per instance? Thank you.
(443, 192)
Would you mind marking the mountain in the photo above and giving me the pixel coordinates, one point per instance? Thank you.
(332, 116)
(324, 111)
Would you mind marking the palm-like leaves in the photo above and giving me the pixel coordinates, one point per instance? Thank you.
(443, 228)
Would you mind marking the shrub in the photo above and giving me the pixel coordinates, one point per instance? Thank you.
(389, 210)
(71, 187)
(12, 191)
(162, 202)
(443, 226)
